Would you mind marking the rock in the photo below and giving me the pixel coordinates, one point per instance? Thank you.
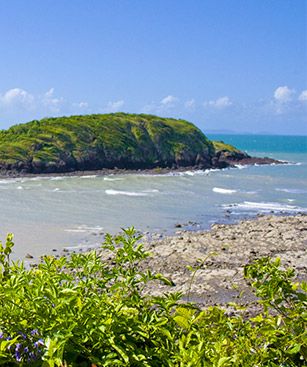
(116, 141)
(112, 141)
(223, 265)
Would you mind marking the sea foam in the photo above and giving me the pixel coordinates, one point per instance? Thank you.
(125, 193)
(292, 191)
(83, 228)
(265, 207)
(112, 179)
(88, 176)
(223, 191)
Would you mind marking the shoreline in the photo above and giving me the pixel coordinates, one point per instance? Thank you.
(102, 172)
(224, 250)
(220, 254)
(252, 161)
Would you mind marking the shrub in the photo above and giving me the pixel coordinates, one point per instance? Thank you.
(86, 311)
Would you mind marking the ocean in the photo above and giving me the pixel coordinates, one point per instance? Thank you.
(53, 213)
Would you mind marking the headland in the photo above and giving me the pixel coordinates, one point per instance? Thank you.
(117, 142)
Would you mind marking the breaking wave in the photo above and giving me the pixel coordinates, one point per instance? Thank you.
(223, 191)
(125, 193)
(265, 207)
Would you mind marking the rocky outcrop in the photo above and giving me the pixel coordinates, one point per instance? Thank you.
(223, 252)
(110, 141)
(95, 142)
(228, 156)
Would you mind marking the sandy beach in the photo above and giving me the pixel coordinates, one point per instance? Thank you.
(222, 252)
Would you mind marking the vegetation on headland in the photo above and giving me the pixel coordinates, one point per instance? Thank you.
(220, 146)
(93, 142)
(83, 311)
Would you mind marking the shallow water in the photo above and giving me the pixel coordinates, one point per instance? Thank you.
(57, 212)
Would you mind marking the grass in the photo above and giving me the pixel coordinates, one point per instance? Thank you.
(221, 146)
(102, 141)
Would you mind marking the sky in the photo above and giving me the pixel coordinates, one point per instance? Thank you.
(224, 65)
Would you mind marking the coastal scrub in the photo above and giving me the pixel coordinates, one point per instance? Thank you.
(94, 142)
(86, 311)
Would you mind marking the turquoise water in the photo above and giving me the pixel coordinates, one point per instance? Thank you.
(57, 212)
(266, 143)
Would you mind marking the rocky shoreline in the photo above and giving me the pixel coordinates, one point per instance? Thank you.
(223, 163)
(111, 142)
(221, 254)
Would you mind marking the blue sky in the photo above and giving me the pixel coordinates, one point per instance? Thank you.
(225, 65)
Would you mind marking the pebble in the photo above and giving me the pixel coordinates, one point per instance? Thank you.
(222, 274)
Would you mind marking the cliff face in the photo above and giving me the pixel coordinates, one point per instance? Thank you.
(226, 155)
(93, 142)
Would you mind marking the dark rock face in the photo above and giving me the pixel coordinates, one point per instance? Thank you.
(229, 156)
(257, 161)
(95, 142)
(123, 141)
(223, 159)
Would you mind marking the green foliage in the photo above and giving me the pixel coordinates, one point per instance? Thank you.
(287, 300)
(87, 311)
(221, 146)
(102, 141)
(5, 252)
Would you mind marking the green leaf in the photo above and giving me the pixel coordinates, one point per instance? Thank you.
(121, 352)
(294, 349)
(223, 361)
(182, 322)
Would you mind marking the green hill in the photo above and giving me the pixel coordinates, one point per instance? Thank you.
(92, 142)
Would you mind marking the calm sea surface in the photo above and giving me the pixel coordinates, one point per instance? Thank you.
(57, 212)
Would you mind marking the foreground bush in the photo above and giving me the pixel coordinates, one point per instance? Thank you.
(83, 311)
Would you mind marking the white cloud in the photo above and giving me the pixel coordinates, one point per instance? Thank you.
(51, 102)
(49, 93)
(17, 97)
(283, 101)
(190, 104)
(283, 94)
(219, 103)
(83, 104)
(169, 101)
(80, 105)
(114, 106)
(303, 96)
(162, 106)
(19, 104)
